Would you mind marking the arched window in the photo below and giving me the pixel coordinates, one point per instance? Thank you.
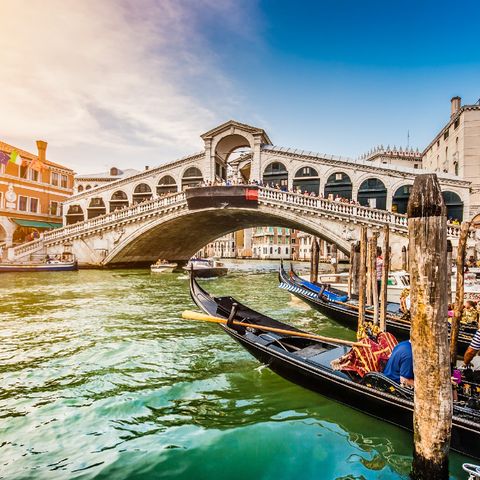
(118, 201)
(166, 185)
(338, 183)
(276, 175)
(307, 179)
(400, 199)
(141, 193)
(96, 208)
(192, 178)
(373, 193)
(454, 206)
(80, 188)
(74, 214)
(88, 187)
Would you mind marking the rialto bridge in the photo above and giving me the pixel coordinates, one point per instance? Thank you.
(150, 215)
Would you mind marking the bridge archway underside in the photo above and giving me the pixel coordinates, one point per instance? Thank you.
(180, 237)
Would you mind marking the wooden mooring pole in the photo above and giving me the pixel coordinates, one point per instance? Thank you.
(373, 276)
(362, 271)
(384, 285)
(459, 291)
(368, 287)
(314, 259)
(355, 268)
(449, 270)
(350, 269)
(432, 416)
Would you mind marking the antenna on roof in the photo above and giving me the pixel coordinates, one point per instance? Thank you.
(408, 138)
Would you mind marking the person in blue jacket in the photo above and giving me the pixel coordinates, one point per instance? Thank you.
(399, 367)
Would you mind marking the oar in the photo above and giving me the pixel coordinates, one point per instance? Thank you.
(190, 315)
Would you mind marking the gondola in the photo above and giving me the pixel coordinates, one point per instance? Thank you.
(336, 305)
(307, 362)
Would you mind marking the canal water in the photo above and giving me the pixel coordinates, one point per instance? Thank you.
(101, 379)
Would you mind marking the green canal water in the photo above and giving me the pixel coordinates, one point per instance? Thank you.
(101, 379)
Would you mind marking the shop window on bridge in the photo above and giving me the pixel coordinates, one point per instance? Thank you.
(454, 206)
(118, 201)
(373, 193)
(74, 214)
(96, 208)
(307, 180)
(192, 178)
(220, 171)
(400, 199)
(166, 185)
(338, 183)
(142, 193)
(276, 176)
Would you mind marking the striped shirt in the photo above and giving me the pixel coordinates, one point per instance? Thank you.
(475, 343)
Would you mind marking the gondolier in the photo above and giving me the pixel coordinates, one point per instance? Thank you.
(472, 349)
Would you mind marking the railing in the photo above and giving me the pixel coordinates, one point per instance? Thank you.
(290, 200)
(101, 221)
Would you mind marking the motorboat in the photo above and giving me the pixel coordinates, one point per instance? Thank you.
(48, 264)
(206, 267)
(163, 266)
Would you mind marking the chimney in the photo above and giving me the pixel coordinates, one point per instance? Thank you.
(456, 103)
(42, 149)
(147, 167)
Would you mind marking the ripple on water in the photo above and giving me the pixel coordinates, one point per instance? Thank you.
(102, 379)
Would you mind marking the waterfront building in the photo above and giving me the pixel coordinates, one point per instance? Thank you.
(456, 150)
(30, 198)
(93, 180)
(304, 246)
(407, 157)
(271, 243)
(223, 247)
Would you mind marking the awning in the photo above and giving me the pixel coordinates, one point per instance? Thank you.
(35, 223)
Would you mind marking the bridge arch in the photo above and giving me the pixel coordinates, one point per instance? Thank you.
(372, 192)
(338, 183)
(118, 200)
(400, 198)
(307, 178)
(191, 177)
(454, 205)
(142, 192)
(179, 234)
(74, 214)
(225, 146)
(96, 207)
(275, 173)
(166, 184)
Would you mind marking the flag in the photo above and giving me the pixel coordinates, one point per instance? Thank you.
(4, 158)
(36, 164)
(16, 158)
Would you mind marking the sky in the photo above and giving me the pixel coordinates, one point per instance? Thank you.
(131, 83)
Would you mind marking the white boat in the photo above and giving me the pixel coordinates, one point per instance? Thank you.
(206, 267)
(162, 266)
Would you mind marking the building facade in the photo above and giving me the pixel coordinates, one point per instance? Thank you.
(271, 243)
(31, 198)
(455, 150)
(93, 180)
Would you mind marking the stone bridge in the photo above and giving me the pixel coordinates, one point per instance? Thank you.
(174, 227)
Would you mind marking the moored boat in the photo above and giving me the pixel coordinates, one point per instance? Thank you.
(308, 362)
(206, 267)
(48, 265)
(163, 266)
(336, 305)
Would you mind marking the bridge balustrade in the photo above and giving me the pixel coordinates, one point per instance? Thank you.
(268, 195)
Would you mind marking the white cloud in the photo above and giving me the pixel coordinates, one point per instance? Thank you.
(114, 75)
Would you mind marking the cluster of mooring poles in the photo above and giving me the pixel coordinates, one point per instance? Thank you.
(429, 261)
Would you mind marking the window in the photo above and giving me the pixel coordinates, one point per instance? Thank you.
(415, 165)
(23, 171)
(34, 205)
(33, 175)
(80, 188)
(456, 124)
(54, 179)
(55, 208)
(64, 181)
(445, 135)
(22, 203)
(438, 143)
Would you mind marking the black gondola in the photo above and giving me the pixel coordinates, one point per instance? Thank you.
(307, 362)
(333, 303)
